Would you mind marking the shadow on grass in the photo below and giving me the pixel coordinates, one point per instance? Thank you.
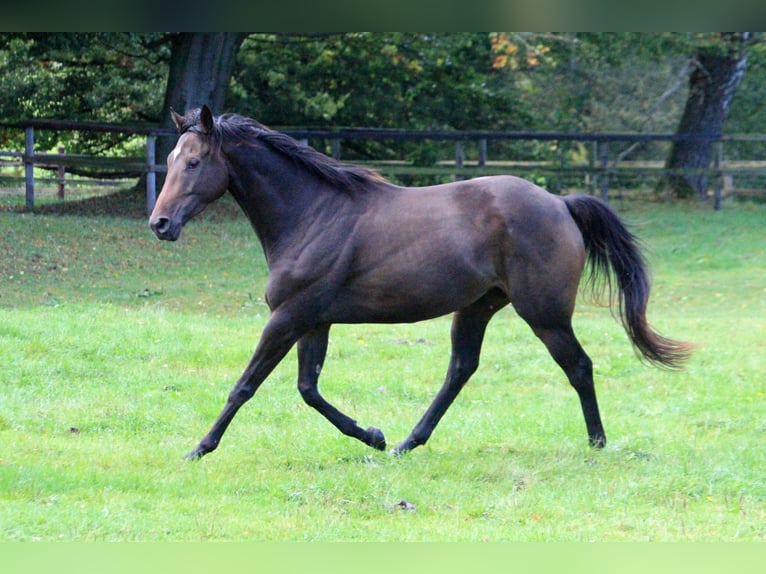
(126, 203)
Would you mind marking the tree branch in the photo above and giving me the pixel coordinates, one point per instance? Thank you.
(677, 83)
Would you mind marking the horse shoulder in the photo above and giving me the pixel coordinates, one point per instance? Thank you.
(310, 264)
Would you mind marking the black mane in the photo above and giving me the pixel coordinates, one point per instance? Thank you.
(234, 127)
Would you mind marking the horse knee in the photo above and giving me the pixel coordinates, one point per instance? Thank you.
(309, 392)
(461, 370)
(568, 354)
(582, 373)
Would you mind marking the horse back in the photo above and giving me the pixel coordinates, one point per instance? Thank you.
(424, 252)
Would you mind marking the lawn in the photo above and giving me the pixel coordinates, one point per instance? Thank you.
(118, 352)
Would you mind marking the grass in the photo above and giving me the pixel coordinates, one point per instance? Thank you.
(118, 352)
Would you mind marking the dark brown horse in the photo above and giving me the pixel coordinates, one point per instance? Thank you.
(343, 245)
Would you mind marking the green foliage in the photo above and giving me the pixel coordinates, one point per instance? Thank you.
(119, 351)
(394, 80)
(106, 77)
(748, 112)
(492, 81)
(399, 80)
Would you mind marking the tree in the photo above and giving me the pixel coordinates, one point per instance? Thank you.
(493, 81)
(393, 80)
(402, 80)
(718, 68)
(200, 70)
(110, 77)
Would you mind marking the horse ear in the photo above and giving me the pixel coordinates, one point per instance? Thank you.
(178, 119)
(206, 119)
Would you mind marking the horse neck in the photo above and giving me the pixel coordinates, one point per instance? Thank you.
(274, 193)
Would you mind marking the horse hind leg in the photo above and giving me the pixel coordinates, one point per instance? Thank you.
(312, 348)
(468, 328)
(544, 296)
(570, 356)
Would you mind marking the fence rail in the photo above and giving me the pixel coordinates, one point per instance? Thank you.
(598, 169)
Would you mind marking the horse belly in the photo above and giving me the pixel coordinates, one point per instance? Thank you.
(422, 255)
(401, 292)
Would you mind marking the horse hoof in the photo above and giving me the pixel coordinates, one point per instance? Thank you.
(376, 439)
(597, 441)
(403, 448)
(196, 454)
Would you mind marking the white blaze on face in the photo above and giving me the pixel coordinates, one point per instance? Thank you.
(176, 152)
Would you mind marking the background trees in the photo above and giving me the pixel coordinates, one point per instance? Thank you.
(108, 77)
(718, 66)
(198, 72)
(494, 81)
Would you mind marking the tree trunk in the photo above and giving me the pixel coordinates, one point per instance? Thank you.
(712, 84)
(201, 66)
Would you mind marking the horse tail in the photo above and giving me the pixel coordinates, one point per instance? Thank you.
(613, 253)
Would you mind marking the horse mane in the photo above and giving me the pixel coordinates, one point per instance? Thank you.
(234, 127)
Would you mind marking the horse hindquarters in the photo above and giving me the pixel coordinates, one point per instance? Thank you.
(543, 280)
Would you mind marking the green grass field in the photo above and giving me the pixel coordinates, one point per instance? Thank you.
(118, 352)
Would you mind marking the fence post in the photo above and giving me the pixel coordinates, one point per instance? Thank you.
(718, 176)
(29, 166)
(459, 157)
(61, 173)
(590, 180)
(151, 176)
(335, 146)
(482, 152)
(603, 148)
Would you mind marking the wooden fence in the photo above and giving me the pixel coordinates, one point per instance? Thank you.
(61, 161)
(602, 163)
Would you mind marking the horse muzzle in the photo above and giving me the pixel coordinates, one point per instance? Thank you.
(164, 228)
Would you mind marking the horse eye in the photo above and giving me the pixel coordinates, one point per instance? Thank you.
(194, 162)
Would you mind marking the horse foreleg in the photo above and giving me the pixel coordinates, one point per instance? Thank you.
(277, 339)
(312, 348)
(468, 328)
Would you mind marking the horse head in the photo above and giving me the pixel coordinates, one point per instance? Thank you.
(197, 174)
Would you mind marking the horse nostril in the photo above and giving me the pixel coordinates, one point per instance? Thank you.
(161, 225)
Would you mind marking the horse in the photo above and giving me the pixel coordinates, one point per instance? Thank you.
(344, 245)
